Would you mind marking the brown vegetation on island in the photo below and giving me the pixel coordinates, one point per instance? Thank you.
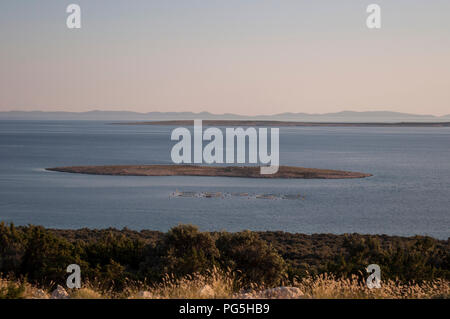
(194, 170)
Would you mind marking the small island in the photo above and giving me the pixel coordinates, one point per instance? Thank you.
(194, 170)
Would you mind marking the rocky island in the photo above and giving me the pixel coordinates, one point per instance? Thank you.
(194, 170)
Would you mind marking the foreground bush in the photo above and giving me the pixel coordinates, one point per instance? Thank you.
(112, 260)
(253, 258)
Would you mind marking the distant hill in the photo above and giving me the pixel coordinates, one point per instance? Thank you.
(344, 116)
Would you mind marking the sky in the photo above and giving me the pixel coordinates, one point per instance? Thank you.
(245, 57)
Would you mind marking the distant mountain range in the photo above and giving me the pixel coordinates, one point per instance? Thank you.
(344, 116)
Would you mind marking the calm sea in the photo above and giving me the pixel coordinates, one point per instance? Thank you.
(409, 193)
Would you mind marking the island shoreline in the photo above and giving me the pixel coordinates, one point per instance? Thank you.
(286, 172)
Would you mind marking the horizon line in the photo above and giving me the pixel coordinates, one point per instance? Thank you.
(222, 114)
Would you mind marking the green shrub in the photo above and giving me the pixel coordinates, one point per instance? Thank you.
(112, 258)
(13, 290)
(257, 261)
(185, 250)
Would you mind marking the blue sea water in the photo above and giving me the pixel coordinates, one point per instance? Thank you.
(408, 194)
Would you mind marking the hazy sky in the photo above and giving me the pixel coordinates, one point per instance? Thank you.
(246, 56)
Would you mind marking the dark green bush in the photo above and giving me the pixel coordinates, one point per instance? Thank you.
(13, 290)
(113, 257)
(254, 258)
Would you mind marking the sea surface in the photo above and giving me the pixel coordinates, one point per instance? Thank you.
(408, 194)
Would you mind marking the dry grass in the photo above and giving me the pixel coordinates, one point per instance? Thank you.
(214, 284)
(20, 290)
(328, 286)
(86, 293)
(218, 284)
